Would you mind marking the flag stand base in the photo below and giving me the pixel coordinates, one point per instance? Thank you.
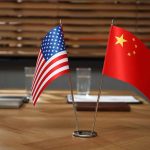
(84, 134)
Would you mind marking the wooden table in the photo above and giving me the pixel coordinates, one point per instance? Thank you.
(49, 126)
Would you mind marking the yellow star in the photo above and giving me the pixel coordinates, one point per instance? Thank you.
(120, 40)
(129, 54)
(134, 52)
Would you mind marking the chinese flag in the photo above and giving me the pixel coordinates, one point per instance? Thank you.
(128, 60)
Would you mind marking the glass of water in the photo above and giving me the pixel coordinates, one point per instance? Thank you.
(29, 73)
(83, 80)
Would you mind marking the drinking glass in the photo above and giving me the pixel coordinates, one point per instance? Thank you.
(29, 73)
(83, 80)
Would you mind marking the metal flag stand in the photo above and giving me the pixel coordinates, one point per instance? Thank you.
(87, 133)
(84, 133)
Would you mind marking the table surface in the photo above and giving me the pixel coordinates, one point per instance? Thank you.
(49, 126)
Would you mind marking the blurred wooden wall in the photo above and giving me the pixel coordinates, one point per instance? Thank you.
(86, 24)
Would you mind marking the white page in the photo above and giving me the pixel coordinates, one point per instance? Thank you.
(110, 98)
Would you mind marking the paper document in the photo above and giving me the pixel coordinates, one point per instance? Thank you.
(11, 101)
(93, 98)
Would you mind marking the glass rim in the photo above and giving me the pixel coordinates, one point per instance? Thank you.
(28, 67)
(29, 70)
(88, 68)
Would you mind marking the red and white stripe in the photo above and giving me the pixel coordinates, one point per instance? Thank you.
(47, 71)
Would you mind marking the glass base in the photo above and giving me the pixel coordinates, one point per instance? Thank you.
(84, 134)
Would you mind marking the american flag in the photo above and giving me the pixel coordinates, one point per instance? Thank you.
(52, 61)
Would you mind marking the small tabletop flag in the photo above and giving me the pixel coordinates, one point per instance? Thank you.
(52, 61)
(128, 60)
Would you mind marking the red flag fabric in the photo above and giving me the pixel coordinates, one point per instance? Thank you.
(52, 61)
(127, 59)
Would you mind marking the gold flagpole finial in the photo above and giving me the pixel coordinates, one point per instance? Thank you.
(112, 22)
(60, 22)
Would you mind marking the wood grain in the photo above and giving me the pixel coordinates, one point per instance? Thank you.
(49, 125)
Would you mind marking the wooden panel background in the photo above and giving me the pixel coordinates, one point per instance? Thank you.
(86, 23)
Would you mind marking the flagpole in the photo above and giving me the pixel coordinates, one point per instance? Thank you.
(97, 103)
(99, 94)
(60, 22)
(72, 96)
(73, 102)
(112, 21)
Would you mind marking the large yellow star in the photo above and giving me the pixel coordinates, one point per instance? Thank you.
(120, 40)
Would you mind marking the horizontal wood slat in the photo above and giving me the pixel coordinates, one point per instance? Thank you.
(67, 28)
(68, 6)
(23, 23)
(74, 21)
(76, 14)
